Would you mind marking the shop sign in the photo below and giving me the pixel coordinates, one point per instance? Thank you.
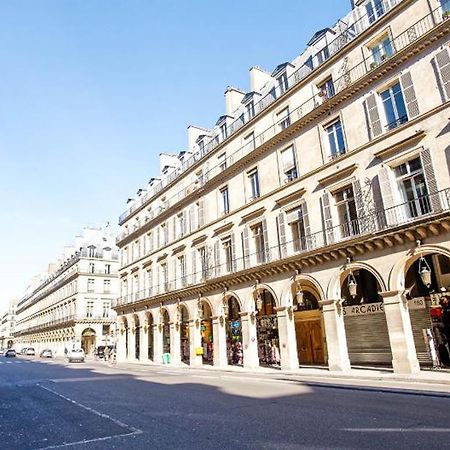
(364, 309)
(417, 303)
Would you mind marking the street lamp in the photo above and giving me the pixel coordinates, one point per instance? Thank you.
(352, 285)
(424, 269)
(299, 294)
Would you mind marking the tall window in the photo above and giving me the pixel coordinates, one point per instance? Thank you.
(106, 286)
(258, 237)
(413, 188)
(283, 83)
(253, 180)
(91, 251)
(335, 139)
(89, 309)
(224, 200)
(394, 106)
(106, 308)
(107, 269)
(149, 277)
(250, 110)
(322, 55)
(289, 166)
(90, 285)
(346, 208)
(223, 131)
(164, 280)
(203, 262)
(249, 142)
(181, 226)
(381, 50)
(298, 230)
(228, 251)
(91, 267)
(222, 159)
(326, 89)
(182, 270)
(374, 9)
(283, 118)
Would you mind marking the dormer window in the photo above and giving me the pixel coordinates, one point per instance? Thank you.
(283, 83)
(250, 110)
(224, 131)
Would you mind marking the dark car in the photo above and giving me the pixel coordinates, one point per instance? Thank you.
(100, 352)
(10, 353)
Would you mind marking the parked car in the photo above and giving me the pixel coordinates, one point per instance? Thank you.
(47, 353)
(10, 353)
(23, 351)
(75, 355)
(30, 351)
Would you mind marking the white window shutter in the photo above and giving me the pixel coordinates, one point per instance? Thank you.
(409, 95)
(266, 239)
(282, 234)
(217, 258)
(327, 218)
(194, 266)
(309, 243)
(442, 65)
(245, 247)
(430, 177)
(373, 116)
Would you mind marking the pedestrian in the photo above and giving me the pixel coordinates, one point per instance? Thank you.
(107, 351)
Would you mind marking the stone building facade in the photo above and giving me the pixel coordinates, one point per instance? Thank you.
(70, 306)
(310, 225)
(7, 326)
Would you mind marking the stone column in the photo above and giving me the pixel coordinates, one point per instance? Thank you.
(288, 339)
(333, 318)
(131, 343)
(157, 344)
(143, 342)
(249, 341)
(121, 355)
(404, 356)
(219, 342)
(175, 344)
(195, 341)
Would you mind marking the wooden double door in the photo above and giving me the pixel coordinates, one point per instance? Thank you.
(310, 342)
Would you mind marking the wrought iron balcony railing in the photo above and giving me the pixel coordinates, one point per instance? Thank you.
(415, 210)
(345, 34)
(349, 77)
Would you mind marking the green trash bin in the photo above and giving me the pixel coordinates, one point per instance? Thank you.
(166, 358)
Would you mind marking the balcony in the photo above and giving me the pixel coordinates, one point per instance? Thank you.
(346, 34)
(305, 113)
(367, 227)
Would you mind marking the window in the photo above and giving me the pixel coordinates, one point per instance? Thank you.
(203, 262)
(89, 309)
(182, 270)
(108, 268)
(258, 237)
(181, 227)
(296, 223)
(374, 9)
(335, 139)
(250, 109)
(326, 89)
(394, 106)
(164, 277)
(201, 146)
(91, 251)
(90, 285)
(136, 286)
(381, 50)
(106, 308)
(288, 164)
(106, 286)
(283, 83)
(283, 118)
(228, 251)
(149, 282)
(164, 234)
(222, 159)
(413, 188)
(137, 250)
(346, 209)
(253, 180)
(224, 200)
(249, 141)
(91, 267)
(223, 131)
(322, 55)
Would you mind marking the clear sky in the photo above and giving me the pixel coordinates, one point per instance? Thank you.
(91, 91)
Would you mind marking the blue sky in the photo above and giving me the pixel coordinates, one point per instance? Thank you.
(92, 91)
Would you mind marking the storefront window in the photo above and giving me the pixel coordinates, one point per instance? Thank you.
(234, 333)
(267, 331)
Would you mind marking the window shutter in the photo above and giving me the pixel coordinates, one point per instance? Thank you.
(245, 247)
(266, 240)
(309, 243)
(217, 258)
(194, 266)
(158, 237)
(282, 235)
(176, 282)
(428, 170)
(191, 219)
(387, 194)
(233, 252)
(373, 116)
(184, 228)
(174, 227)
(201, 218)
(206, 171)
(327, 218)
(442, 64)
(410, 95)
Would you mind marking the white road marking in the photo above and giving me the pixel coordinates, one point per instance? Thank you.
(8, 362)
(398, 430)
(132, 430)
(202, 376)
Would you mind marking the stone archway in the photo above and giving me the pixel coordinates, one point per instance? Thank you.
(88, 337)
(137, 336)
(150, 336)
(235, 352)
(183, 323)
(165, 321)
(206, 331)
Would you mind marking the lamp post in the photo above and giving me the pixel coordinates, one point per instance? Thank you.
(424, 268)
(299, 294)
(352, 285)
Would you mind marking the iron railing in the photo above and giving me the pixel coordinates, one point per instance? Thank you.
(345, 34)
(348, 78)
(380, 220)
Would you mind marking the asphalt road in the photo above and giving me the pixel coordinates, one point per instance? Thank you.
(50, 404)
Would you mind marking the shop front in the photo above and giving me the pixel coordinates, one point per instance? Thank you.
(267, 329)
(88, 341)
(137, 337)
(364, 319)
(166, 332)
(184, 334)
(151, 353)
(234, 333)
(206, 329)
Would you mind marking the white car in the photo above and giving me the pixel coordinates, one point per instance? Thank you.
(76, 355)
(30, 351)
